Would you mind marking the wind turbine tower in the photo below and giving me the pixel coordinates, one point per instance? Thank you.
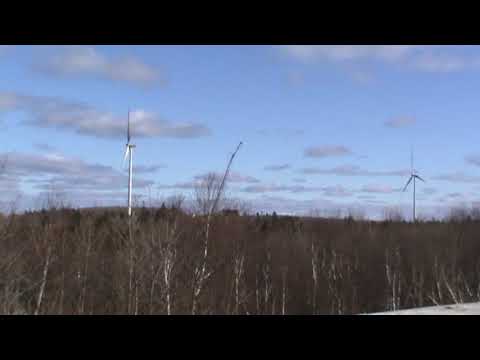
(413, 176)
(129, 153)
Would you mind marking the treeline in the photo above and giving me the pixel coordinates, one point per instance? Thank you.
(165, 261)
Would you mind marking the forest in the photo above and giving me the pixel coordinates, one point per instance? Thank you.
(164, 260)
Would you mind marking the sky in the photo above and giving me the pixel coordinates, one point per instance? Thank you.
(325, 128)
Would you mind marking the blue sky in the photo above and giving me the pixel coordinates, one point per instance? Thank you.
(324, 127)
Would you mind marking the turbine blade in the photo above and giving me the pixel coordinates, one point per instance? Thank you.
(125, 157)
(418, 177)
(128, 127)
(408, 183)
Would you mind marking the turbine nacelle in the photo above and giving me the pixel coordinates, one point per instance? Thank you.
(413, 176)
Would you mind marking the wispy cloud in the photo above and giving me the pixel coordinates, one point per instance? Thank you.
(444, 62)
(400, 122)
(454, 199)
(25, 164)
(44, 147)
(277, 167)
(188, 185)
(327, 191)
(458, 177)
(429, 191)
(9, 183)
(473, 160)
(426, 58)
(66, 173)
(327, 151)
(337, 191)
(85, 60)
(300, 180)
(352, 170)
(348, 52)
(280, 188)
(147, 169)
(366, 197)
(233, 177)
(85, 120)
(379, 189)
(454, 195)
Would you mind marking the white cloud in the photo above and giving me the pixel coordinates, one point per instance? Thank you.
(83, 119)
(82, 60)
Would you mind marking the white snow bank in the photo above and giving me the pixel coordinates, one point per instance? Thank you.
(455, 309)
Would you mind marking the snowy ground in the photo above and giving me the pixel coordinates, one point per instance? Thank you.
(455, 309)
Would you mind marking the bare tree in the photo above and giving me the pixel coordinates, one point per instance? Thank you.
(208, 196)
(44, 248)
(205, 193)
(86, 237)
(393, 276)
(315, 253)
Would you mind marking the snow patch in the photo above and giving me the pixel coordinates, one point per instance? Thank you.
(454, 309)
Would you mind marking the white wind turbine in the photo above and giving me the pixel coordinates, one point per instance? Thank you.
(413, 176)
(129, 152)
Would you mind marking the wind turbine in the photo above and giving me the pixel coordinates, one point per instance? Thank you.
(129, 152)
(413, 176)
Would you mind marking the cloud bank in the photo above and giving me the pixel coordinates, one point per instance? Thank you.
(54, 112)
